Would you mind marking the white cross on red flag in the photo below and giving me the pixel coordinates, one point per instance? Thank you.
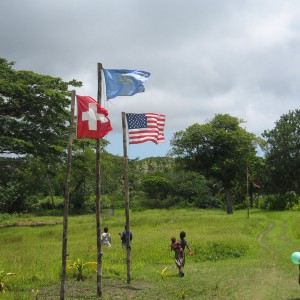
(92, 120)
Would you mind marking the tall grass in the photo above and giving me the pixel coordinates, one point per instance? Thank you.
(229, 261)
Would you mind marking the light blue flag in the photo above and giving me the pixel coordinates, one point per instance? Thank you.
(124, 82)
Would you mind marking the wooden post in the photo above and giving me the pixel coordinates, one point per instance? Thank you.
(126, 186)
(248, 213)
(66, 201)
(98, 198)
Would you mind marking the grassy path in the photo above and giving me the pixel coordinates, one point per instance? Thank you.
(279, 277)
(261, 238)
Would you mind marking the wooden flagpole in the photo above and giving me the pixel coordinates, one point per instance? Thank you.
(128, 247)
(66, 200)
(98, 199)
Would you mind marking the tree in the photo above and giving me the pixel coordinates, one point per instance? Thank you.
(220, 149)
(282, 153)
(34, 126)
(34, 112)
(192, 188)
(156, 186)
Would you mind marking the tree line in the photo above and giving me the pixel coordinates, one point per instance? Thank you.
(218, 164)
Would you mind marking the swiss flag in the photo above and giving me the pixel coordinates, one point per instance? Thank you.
(92, 120)
(256, 185)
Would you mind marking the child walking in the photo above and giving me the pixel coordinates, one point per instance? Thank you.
(106, 238)
(178, 247)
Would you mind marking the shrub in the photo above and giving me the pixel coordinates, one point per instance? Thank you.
(273, 202)
(54, 202)
(280, 202)
(291, 200)
(156, 186)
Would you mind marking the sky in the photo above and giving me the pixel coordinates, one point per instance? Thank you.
(206, 57)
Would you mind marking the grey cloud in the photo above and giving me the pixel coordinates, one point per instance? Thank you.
(205, 57)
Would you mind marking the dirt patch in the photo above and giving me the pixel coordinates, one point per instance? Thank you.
(111, 289)
(30, 223)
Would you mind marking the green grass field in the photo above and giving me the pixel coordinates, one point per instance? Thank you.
(235, 257)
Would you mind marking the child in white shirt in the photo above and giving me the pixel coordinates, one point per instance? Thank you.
(106, 238)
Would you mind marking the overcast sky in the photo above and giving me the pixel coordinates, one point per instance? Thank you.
(206, 57)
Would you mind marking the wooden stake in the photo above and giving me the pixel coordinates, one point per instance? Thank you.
(248, 212)
(128, 247)
(66, 201)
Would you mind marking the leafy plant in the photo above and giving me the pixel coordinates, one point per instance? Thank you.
(36, 293)
(165, 273)
(79, 265)
(3, 287)
(182, 294)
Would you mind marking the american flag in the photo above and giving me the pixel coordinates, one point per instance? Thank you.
(146, 127)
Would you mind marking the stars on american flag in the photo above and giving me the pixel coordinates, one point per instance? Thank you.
(136, 121)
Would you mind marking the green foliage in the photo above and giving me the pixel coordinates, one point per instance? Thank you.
(273, 202)
(280, 202)
(291, 200)
(79, 266)
(10, 218)
(282, 153)
(54, 202)
(296, 207)
(152, 165)
(34, 113)
(3, 286)
(216, 251)
(220, 149)
(26, 180)
(11, 198)
(156, 186)
(34, 126)
(177, 188)
(190, 189)
(83, 179)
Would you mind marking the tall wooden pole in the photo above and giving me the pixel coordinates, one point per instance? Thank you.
(128, 247)
(98, 199)
(66, 201)
(248, 213)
